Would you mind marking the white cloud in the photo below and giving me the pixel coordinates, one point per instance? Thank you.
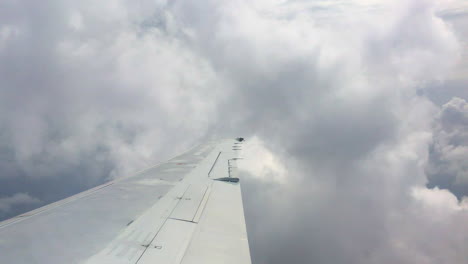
(327, 92)
(261, 162)
(442, 202)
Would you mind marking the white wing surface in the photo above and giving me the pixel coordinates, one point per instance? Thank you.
(188, 210)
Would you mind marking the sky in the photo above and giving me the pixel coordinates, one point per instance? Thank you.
(355, 113)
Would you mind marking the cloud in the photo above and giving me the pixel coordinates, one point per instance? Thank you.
(17, 201)
(374, 211)
(447, 166)
(442, 200)
(327, 94)
(89, 94)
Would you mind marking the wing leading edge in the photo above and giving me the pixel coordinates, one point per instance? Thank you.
(188, 210)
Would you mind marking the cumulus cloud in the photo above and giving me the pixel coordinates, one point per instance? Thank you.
(373, 211)
(327, 92)
(91, 92)
(447, 166)
(442, 200)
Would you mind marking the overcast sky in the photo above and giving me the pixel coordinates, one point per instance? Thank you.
(355, 113)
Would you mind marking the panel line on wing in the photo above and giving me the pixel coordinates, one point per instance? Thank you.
(159, 230)
(190, 202)
(178, 219)
(214, 163)
(202, 205)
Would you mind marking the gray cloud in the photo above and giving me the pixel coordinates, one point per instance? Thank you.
(332, 92)
(447, 166)
(18, 201)
(88, 94)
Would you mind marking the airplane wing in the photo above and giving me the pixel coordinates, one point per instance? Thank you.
(188, 210)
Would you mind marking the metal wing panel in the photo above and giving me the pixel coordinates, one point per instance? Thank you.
(74, 230)
(189, 204)
(221, 236)
(170, 244)
(162, 215)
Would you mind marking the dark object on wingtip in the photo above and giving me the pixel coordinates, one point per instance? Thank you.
(228, 179)
(240, 139)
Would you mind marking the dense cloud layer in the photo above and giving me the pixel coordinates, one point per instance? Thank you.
(448, 166)
(90, 92)
(330, 95)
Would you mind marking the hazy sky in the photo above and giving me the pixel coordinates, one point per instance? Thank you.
(355, 113)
